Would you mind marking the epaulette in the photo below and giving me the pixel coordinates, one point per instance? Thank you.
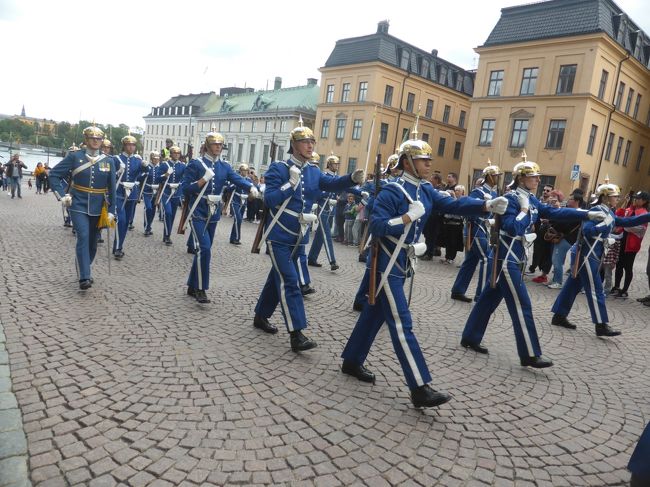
(137, 156)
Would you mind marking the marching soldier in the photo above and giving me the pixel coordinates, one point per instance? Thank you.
(515, 234)
(477, 232)
(203, 182)
(107, 150)
(292, 187)
(157, 172)
(90, 197)
(323, 234)
(132, 172)
(238, 205)
(171, 198)
(586, 256)
(398, 216)
(67, 221)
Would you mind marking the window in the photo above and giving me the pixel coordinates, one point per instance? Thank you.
(410, 101)
(280, 152)
(388, 96)
(619, 147)
(628, 103)
(356, 129)
(619, 95)
(592, 140)
(330, 94)
(363, 90)
(325, 128)
(487, 131)
(340, 128)
(610, 143)
(555, 134)
(626, 156)
(383, 133)
(254, 126)
(251, 154)
(528, 81)
(267, 126)
(345, 93)
(457, 147)
(405, 134)
(241, 126)
(636, 106)
(639, 158)
(429, 111)
(519, 133)
(265, 153)
(496, 80)
(566, 78)
(603, 84)
(446, 114)
(461, 119)
(441, 147)
(425, 138)
(352, 164)
(283, 126)
(240, 151)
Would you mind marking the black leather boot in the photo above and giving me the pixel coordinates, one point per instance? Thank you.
(560, 320)
(264, 325)
(604, 330)
(300, 343)
(427, 397)
(358, 371)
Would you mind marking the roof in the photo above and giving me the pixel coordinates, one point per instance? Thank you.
(390, 50)
(294, 98)
(561, 18)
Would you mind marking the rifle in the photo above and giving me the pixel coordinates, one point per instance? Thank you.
(576, 261)
(184, 211)
(494, 241)
(257, 241)
(374, 252)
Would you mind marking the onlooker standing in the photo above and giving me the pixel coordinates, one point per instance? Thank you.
(433, 225)
(545, 248)
(630, 243)
(46, 178)
(15, 173)
(3, 177)
(350, 213)
(452, 229)
(541, 254)
(569, 235)
(39, 176)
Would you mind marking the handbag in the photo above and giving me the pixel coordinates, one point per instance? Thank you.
(553, 236)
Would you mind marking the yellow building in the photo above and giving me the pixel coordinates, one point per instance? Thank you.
(568, 81)
(383, 77)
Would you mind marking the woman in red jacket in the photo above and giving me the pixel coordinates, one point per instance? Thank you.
(630, 244)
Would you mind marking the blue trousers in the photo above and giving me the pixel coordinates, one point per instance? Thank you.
(86, 229)
(203, 235)
(169, 209)
(362, 293)
(122, 226)
(391, 307)
(323, 235)
(281, 286)
(238, 216)
(560, 250)
(149, 211)
(511, 287)
(301, 266)
(477, 255)
(129, 208)
(589, 279)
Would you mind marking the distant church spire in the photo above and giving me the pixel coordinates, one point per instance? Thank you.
(22, 112)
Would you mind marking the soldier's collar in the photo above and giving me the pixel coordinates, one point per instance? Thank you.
(488, 187)
(411, 179)
(296, 162)
(524, 191)
(209, 158)
(92, 153)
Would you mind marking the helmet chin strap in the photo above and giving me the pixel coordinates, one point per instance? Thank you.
(415, 171)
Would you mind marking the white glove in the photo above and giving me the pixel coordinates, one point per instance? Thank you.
(599, 216)
(253, 192)
(364, 194)
(608, 220)
(419, 249)
(314, 207)
(487, 196)
(207, 175)
(416, 210)
(66, 201)
(121, 169)
(523, 199)
(307, 218)
(332, 202)
(490, 221)
(498, 205)
(111, 218)
(358, 176)
(294, 176)
(145, 163)
(170, 170)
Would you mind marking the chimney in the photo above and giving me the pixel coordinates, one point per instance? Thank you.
(382, 27)
(434, 52)
(278, 83)
(311, 81)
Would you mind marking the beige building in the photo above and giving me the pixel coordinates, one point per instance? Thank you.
(383, 77)
(568, 81)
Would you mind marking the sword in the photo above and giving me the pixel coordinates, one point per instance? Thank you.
(108, 248)
(196, 203)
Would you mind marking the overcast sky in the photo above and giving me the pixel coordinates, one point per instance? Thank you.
(112, 61)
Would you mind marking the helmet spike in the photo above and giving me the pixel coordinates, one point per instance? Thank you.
(524, 157)
(414, 133)
(300, 120)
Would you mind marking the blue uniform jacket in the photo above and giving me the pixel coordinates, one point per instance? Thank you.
(135, 171)
(278, 189)
(239, 191)
(99, 176)
(223, 172)
(155, 176)
(392, 203)
(482, 193)
(175, 177)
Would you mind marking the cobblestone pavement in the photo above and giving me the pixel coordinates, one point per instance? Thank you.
(133, 383)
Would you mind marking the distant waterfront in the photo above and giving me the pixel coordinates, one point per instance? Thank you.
(31, 157)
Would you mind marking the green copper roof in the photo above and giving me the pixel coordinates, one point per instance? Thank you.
(298, 97)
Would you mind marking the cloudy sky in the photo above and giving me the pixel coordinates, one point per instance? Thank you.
(113, 61)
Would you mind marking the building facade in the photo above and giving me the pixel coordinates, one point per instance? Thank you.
(379, 77)
(568, 82)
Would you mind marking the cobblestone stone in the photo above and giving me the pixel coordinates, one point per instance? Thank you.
(132, 383)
